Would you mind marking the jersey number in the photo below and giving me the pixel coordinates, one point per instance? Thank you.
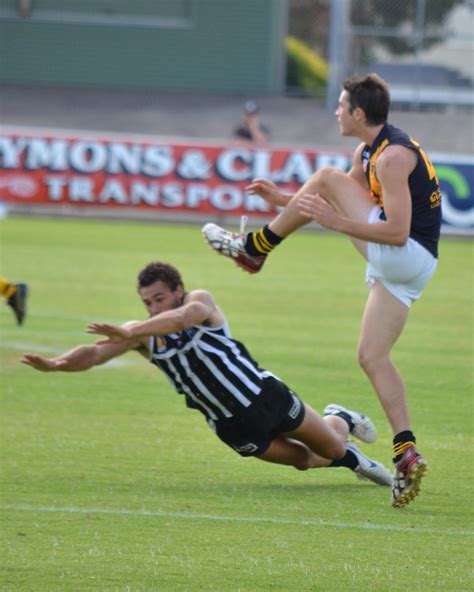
(429, 167)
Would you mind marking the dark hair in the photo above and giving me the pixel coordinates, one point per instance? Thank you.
(371, 94)
(158, 271)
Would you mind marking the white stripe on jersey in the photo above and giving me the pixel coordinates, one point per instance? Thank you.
(201, 387)
(200, 362)
(233, 368)
(235, 350)
(224, 381)
(188, 391)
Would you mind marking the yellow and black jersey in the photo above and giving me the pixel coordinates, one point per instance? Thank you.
(422, 182)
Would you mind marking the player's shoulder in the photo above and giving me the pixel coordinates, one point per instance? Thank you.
(215, 317)
(396, 160)
(197, 294)
(202, 296)
(396, 153)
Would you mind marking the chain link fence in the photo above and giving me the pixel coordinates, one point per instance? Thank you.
(423, 48)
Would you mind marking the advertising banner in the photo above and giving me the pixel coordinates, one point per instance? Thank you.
(176, 179)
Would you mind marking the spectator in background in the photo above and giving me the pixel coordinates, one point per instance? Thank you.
(251, 130)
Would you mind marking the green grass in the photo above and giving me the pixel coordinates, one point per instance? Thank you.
(109, 483)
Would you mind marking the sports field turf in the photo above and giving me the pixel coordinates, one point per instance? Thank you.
(109, 483)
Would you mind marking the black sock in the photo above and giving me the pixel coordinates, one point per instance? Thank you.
(261, 242)
(401, 442)
(349, 460)
(347, 418)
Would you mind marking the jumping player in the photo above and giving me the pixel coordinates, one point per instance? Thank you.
(389, 205)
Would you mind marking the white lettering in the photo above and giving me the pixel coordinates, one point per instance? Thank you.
(10, 152)
(81, 189)
(172, 195)
(52, 155)
(124, 158)
(226, 198)
(193, 165)
(261, 165)
(140, 192)
(195, 194)
(55, 187)
(113, 191)
(227, 165)
(296, 166)
(157, 161)
(255, 203)
(88, 157)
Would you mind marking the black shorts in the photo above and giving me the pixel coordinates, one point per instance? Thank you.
(277, 409)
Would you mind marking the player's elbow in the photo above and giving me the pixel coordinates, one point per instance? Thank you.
(96, 356)
(400, 241)
(398, 234)
(401, 238)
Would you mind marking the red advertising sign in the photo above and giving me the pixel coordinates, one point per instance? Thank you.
(96, 170)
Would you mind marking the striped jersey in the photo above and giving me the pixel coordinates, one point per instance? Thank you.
(422, 182)
(214, 372)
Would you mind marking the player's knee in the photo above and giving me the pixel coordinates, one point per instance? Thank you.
(303, 462)
(368, 359)
(364, 357)
(337, 451)
(326, 178)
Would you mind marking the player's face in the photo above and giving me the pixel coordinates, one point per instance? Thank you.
(159, 298)
(347, 120)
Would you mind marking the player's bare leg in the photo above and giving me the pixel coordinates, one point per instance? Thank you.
(383, 321)
(382, 324)
(336, 187)
(249, 251)
(322, 442)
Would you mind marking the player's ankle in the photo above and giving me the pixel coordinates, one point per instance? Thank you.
(261, 242)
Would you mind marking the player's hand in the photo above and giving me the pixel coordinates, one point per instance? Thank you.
(318, 209)
(113, 333)
(268, 191)
(43, 364)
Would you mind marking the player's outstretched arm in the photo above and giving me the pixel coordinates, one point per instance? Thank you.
(269, 192)
(78, 359)
(113, 333)
(199, 308)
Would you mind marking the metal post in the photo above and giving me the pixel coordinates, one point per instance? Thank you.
(419, 37)
(339, 33)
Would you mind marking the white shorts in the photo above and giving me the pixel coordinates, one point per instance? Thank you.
(403, 271)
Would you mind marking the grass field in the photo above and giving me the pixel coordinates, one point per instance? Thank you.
(109, 483)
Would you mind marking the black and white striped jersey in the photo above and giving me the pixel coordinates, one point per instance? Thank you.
(216, 373)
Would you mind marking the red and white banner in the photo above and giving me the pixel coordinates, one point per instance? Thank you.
(107, 171)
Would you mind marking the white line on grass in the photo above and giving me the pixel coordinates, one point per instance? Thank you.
(58, 316)
(29, 347)
(250, 519)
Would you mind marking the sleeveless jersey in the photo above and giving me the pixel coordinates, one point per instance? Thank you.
(422, 182)
(214, 372)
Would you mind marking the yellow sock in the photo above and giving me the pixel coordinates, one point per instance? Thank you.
(262, 242)
(400, 447)
(6, 289)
